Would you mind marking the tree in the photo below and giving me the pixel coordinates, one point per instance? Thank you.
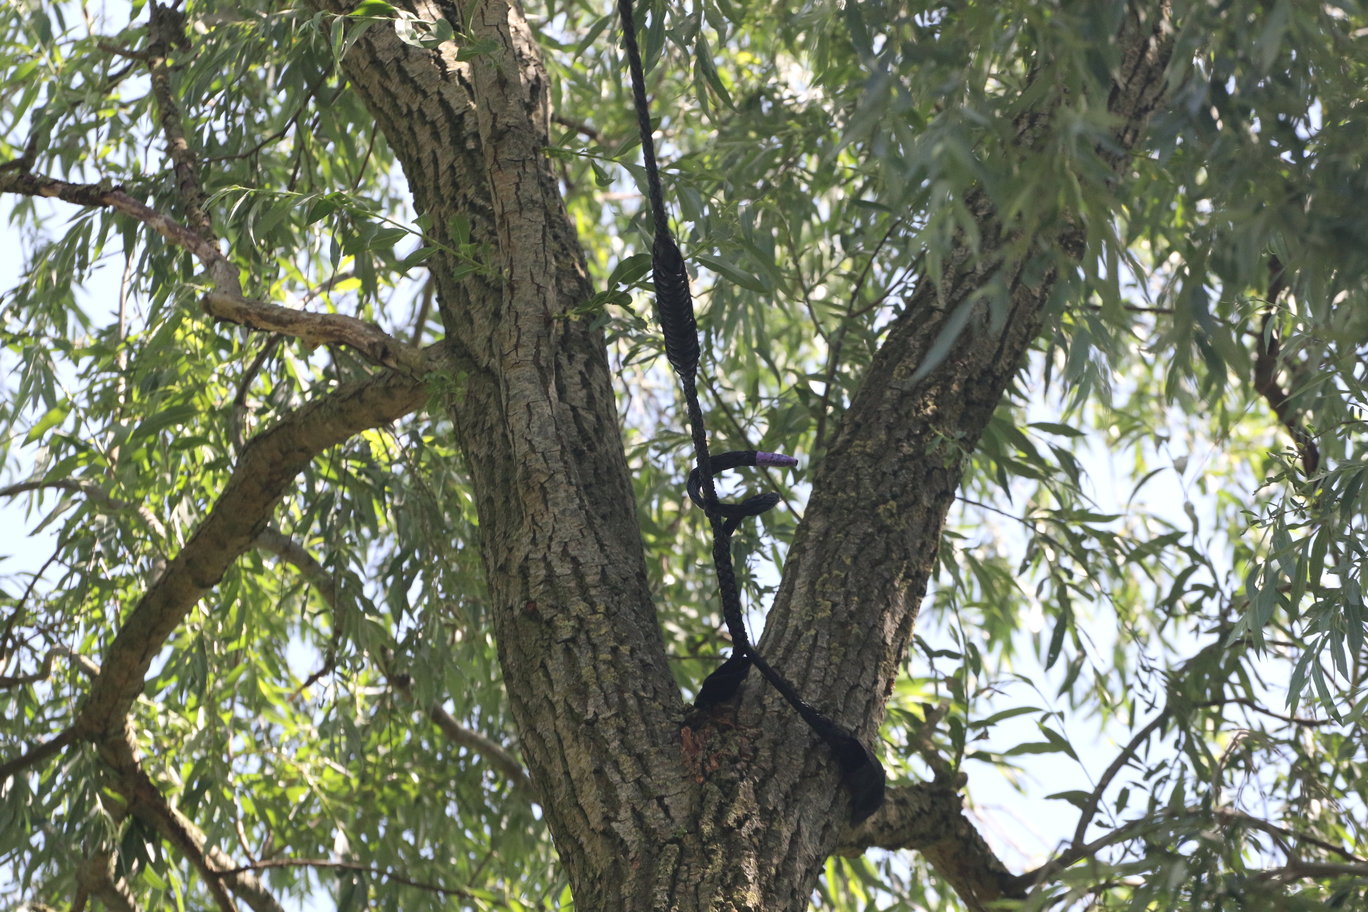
(373, 575)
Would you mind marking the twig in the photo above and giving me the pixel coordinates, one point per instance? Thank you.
(237, 417)
(1265, 374)
(1250, 704)
(1122, 758)
(326, 585)
(8, 682)
(91, 492)
(35, 755)
(1232, 816)
(497, 755)
(329, 864)
(580, 127)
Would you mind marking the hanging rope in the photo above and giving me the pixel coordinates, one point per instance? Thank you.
(861, 773)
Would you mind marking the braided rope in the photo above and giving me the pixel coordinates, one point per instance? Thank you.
(861, 773)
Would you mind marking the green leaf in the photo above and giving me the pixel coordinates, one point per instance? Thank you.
(165, 418)
(730, 271)
(55, 416)
(1076, 797)
(373, 9)
(630, 269)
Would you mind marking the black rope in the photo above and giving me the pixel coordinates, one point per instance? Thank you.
(861, 773)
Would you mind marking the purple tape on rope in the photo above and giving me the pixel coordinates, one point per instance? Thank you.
(774, 459)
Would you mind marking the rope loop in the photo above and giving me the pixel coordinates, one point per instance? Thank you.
(861, 773)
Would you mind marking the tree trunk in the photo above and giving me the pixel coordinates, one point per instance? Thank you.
(652, 808)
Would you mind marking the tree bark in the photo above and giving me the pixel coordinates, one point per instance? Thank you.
(651, 808)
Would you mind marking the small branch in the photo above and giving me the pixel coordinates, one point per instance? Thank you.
(1230, 816)
(583, 129)
(1119, 763)
(119, 51)
(496, 754)
(1077, 853)
(240, 408)
(1266, 379)
(326, 585)
(1296, 870)
(226, 302)
(92, 492)
(349, 866)
(425, 299)
(371, 342)
(9, 682)
(291, 552)
(1255, 707)
(925, 743)
(101, 196)
(167, 30)
(36, 755)
(1227, 816)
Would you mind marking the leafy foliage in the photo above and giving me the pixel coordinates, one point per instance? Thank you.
(1142, 561)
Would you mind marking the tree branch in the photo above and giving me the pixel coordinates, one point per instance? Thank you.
(1266, 376)
(861, 561)
(325, 584)
(146, 801)
(929, 818)
(226, 302)
(37, 754)
(166, 29)
(9, 682)
(265, 469)
(92, 492)
(328, 864)
(498, 756)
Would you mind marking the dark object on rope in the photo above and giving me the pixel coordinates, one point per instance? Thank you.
(861, 773)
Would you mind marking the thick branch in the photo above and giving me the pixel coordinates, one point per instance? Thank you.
(226, 302)
(929, 818)
(265, 470)
(98, 877)
(862, 558)
(145, 800)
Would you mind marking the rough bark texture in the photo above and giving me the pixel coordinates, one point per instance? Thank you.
(650, 812)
